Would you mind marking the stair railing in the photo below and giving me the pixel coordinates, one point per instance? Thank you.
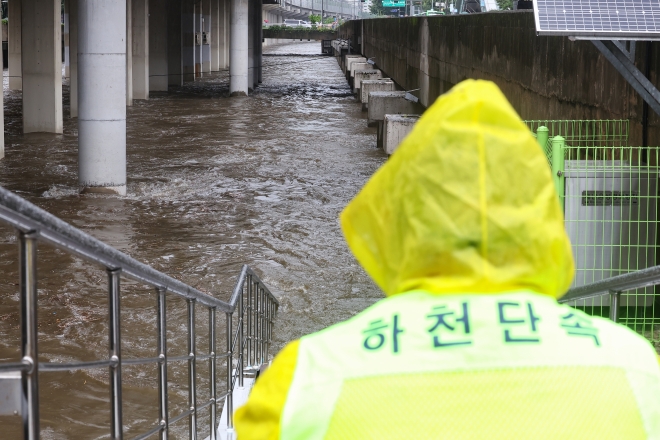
(256, 305)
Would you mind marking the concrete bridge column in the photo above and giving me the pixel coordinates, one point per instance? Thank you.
(140, 49)
(207, 22)
(14, 45)
(174, 43)
(251, 19)
(198, 39)
(259, 28)
(188, 45)
(215, 35)
(73, 58)
(129, 53)
(67, 20)
(41, 61)
(2, 126)
(225, 12)
(158, 45)
(238, 52)
(102, 86)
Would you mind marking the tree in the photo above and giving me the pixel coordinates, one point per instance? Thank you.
(377, 8)
(505, 4)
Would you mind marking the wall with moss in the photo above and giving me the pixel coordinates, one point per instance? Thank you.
(543, 77)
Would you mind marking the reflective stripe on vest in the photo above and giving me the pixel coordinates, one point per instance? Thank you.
(418, 334)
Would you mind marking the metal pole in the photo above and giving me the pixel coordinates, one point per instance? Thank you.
(212, 387)
(615, 300)
(558, 144)
(115, 353)
(162, 364)
(257, 322)
(241, 312)
(192, 389)
(230, 385)
(249, 322)
(262, 334)
(271, 307)
(542, 136)
(27, 250)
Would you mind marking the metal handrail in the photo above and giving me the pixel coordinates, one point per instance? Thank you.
(614, 286)
(34, 224)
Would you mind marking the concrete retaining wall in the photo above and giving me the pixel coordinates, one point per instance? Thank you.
(543, 77)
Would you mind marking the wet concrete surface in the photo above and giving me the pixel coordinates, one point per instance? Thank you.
(213, 183)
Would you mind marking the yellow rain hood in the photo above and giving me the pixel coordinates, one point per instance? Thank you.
(466, 204)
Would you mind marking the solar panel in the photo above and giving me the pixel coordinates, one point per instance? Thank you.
(599, 19)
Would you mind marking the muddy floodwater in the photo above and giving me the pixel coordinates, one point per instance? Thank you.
(213, 183)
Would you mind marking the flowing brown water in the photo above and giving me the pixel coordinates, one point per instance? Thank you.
(213, 183)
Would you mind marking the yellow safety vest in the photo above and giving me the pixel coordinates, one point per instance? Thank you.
(508, 366)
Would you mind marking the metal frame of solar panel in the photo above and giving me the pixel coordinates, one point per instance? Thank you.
(599, 19)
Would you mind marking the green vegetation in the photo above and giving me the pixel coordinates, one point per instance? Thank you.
(315, 19)
(505, 4)
(377, 8)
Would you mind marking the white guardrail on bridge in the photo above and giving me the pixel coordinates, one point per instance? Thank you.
(252, 306)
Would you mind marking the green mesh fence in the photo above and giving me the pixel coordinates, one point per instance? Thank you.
(609, 193)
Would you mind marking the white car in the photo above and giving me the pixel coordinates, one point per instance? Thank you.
(296, 23)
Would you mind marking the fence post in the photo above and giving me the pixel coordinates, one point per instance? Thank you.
(558, 146)
(212, 374)
(230, 384)
(114, 294)
(162, 363)
(192, 373)
(542, 136)
(28, 287)
(240, 324)
(615, 300)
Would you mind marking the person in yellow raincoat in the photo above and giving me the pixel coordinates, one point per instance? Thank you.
(463, 231)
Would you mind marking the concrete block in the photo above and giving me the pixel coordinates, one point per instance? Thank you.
(356, 65)
(373, 85)
(395, 129)
(366, 74)
(350, 61)
(348, 58)
(390, 103)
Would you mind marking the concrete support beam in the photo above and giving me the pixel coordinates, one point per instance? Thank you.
(258, 39)
(67, 21)
(198, 38)
(207, 22)
(102, 121)
(42, 66)
(129, 52)
(73, 58)
(14, 45)
(369, 86)
(395, 130)
(158, 45)
(2, 126)
(140, 58)
(174, 43)
(251, 18)
(188, 42)
(215, 35)
(225, 17)
(238, 52)
(366, 74)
